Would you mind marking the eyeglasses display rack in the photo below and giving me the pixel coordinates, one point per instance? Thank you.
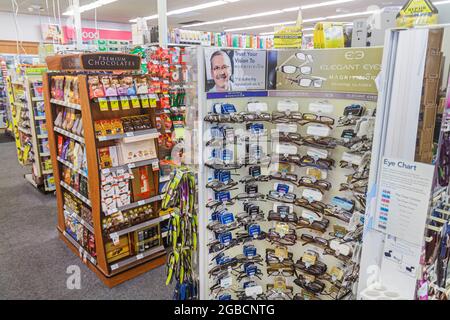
(103, 145)
(283, 173)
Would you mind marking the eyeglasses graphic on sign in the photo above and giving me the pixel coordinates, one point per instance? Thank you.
(314, 82)
(305, 70)
(306, 58)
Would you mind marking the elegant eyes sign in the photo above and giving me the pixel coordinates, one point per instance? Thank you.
(335, 70)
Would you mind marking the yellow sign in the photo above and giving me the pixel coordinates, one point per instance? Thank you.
(417, 13)
(329, 35)
(288, 37)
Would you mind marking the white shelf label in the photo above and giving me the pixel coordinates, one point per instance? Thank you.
(139, 256)
(141, 203)
(114, 267)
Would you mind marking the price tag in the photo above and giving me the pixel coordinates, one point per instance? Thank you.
(85, 257)
(279, 283)
(141, 203)
(131, 165)
(226, 282)
(155, 166)
(135, 102)
(80, 252)
(282, 229)
(309, 258)
(103, 103)
(139, 256)
(114, 104)
(144, 102)
(129, 134)
(125, 103)
(253, 291)
(153, 102)
(114, 267)
(281, 253)
(337, 273)
(115, 238)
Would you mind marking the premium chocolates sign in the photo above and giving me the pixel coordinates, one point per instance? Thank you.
(110, 61)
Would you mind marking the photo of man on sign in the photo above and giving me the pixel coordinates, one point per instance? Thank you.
(222, 72)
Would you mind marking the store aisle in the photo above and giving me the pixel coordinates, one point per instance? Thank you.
(33, 260)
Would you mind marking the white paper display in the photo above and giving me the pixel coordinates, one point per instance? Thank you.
(403, 198)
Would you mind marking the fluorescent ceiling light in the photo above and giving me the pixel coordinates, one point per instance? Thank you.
(189, 9)
(437, 3)
(306, 20)
(270, 13)
(89, 6)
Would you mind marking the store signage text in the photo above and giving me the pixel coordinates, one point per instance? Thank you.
(110, 62)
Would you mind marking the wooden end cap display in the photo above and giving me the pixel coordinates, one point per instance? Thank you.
(94, 62)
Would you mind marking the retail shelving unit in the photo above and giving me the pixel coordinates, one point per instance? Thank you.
(98, 256)
(29, 122)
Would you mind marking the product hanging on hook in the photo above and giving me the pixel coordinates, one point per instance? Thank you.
(181, 197)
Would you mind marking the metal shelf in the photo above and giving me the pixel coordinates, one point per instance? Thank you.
(76, 193)
(71, 166)
(82, 221)
(137, 227)
(130, 165)
(81, 250)
(69, 134)
(66, 104)
(134, 205)
(138, 257)
(152, 133)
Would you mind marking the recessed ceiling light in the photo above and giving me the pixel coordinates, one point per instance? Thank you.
(189, 9)
(354, 14)
(270, 13)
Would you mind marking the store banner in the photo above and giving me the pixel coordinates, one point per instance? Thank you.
(338, 70)
(91, 34)
(289, 37)
(234, 70)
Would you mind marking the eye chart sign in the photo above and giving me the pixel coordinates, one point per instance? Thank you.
(403, 199)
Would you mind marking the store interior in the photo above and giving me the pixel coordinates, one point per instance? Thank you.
(224, 150)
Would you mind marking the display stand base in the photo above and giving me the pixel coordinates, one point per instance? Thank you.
(152, 262)
(29, 178)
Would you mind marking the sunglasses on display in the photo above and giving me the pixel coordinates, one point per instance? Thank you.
(286, 117)
(243, 259)
(321, 185)
(273, 294)
(340, 257)
(321, 143)
(217, 270)
(288, 239)
(218, 227)
(219, 186)
(295, 138)
(279, 217)
(217, 165)
(315, 287)
(246, 219)
(338, 213)
(319, 226)
(315, 206)
(314, 118)
(317, 269)
(274, 261)
(323, 164)
(317, 241)
(214, 205)
(284, 177)
(249, 197)
(281, 196)
(252, 179)
(284, 271)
